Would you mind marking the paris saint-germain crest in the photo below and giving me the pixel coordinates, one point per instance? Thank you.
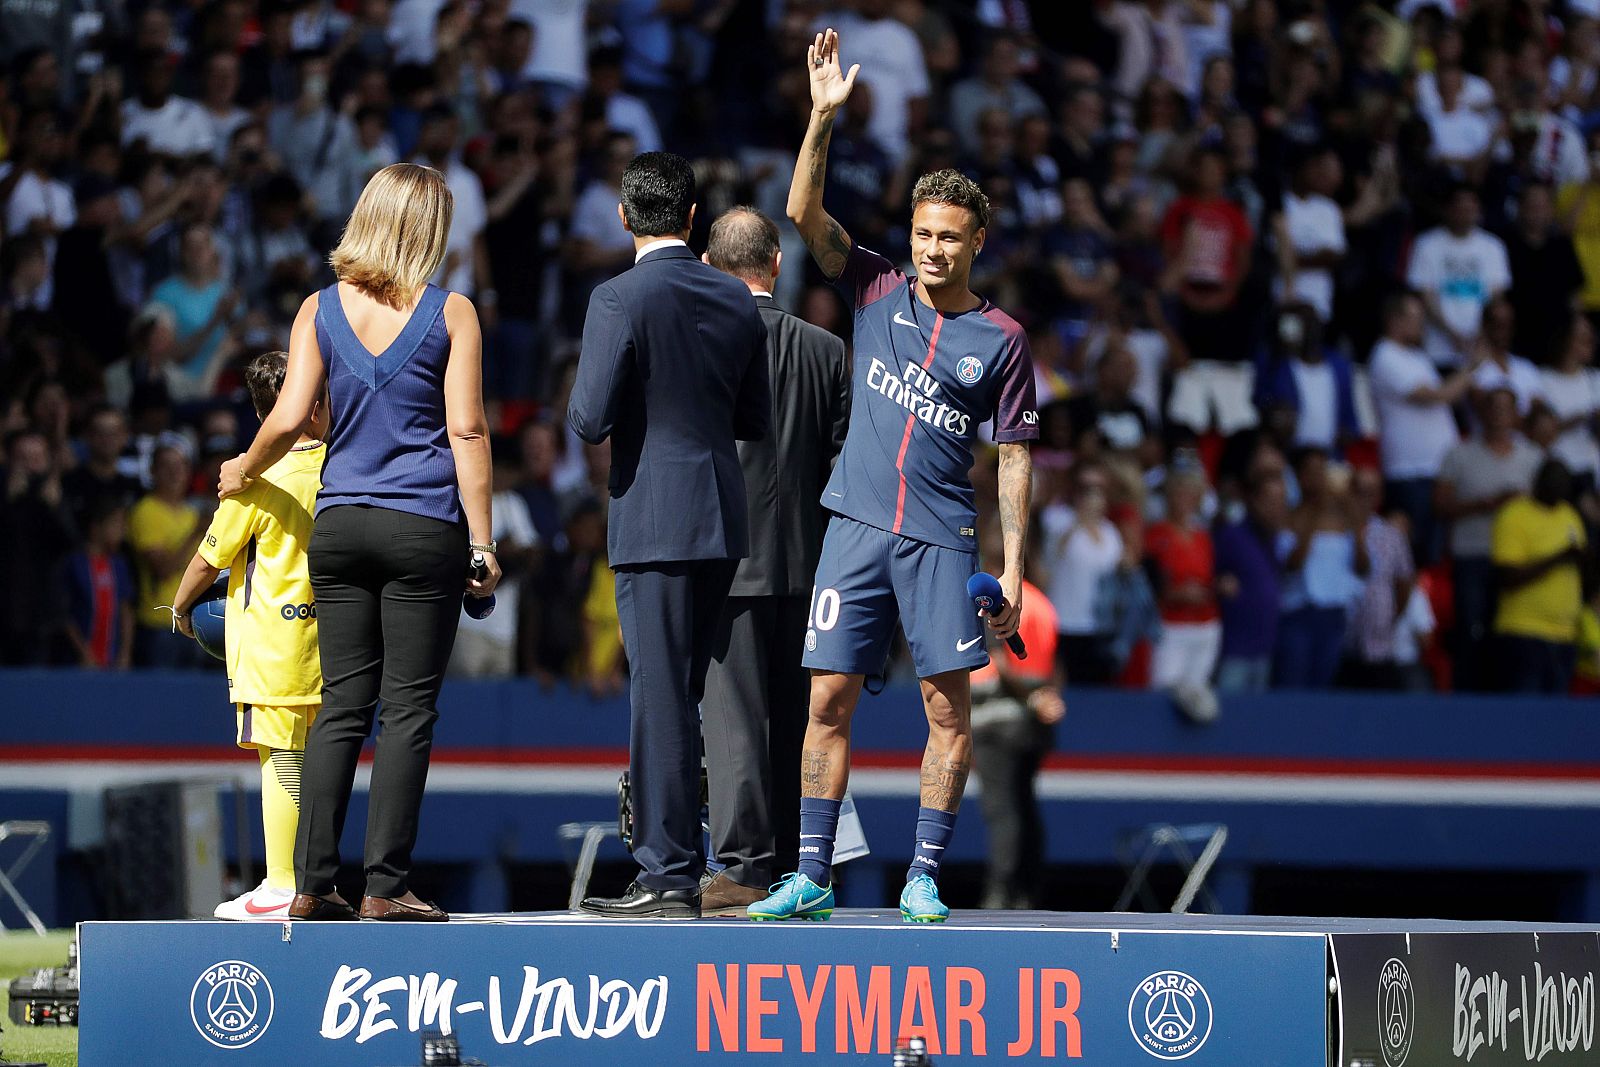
(1170, 1015)
(1397, 1012)
(969, 369)
(231, 1004)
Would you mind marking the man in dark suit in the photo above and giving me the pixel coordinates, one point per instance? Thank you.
(673, 370)
(755, 709)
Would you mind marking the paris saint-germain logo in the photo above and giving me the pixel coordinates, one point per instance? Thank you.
(969, 369)
(231, 1004)
(1397, 1012)
(1170, 1015)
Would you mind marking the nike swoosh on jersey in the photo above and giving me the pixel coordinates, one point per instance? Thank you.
(962, 646)
(903, 321)
(924, 844)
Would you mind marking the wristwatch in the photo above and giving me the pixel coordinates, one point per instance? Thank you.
(492, 547)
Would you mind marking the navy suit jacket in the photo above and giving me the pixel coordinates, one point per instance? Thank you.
(674, 371)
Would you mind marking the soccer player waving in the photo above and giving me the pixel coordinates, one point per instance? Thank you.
(933, 362)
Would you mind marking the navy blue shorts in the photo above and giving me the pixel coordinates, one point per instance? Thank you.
(867, 580)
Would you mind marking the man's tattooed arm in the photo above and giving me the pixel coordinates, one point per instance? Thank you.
(823, 235)
(1015, 499)
(1016, 496)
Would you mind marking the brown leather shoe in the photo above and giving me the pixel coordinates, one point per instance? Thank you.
(307, 908)
(723, 897)
(389, 910)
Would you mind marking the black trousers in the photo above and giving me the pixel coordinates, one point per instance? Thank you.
(753, 720)
(1007, 754)
(1473, 644)
(1529, 665)
(1382, 675)
(1086, 659)
(388, 588)
(669, 614)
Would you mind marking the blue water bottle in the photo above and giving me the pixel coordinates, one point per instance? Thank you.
(478, 607)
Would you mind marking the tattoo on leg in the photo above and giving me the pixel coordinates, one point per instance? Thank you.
(944, 780)
(816, 767)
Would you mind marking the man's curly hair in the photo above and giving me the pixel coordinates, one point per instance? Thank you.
(953, 188)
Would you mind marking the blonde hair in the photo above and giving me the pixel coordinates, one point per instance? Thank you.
(396, 236)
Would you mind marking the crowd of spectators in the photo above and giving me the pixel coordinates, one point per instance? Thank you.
(1311, 288)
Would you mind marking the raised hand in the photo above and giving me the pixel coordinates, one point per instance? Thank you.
(830, 86)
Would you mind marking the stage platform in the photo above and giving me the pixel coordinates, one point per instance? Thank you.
(1111, 990)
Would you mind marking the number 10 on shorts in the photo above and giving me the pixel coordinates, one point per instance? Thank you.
(824, 613)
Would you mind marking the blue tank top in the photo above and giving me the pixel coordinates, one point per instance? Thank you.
(387, 442)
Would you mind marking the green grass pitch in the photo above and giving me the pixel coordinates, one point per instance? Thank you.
(21, 952)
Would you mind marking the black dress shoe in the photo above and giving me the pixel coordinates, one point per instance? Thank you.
(642, 902)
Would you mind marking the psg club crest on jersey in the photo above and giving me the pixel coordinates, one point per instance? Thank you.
(969, 369)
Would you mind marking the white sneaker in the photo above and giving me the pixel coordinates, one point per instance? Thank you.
(261, 904)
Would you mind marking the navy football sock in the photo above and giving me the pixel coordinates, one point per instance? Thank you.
(819, 823)
(934, 830)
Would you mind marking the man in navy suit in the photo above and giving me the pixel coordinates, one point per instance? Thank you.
(673, 370)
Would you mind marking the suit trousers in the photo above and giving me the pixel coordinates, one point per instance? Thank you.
(388, 587)
(754, 723)
(669, 614)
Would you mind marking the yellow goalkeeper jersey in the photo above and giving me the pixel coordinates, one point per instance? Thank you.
(263, 535)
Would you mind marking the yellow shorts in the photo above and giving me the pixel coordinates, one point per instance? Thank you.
(275, 726)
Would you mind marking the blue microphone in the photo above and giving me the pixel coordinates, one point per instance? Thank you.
(984, 589)
(478, 607)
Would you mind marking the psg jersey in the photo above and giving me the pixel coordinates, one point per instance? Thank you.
(923, 382)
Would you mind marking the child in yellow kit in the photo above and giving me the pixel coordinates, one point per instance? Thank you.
(274, 669)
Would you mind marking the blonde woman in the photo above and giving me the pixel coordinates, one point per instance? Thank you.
(404, 501)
